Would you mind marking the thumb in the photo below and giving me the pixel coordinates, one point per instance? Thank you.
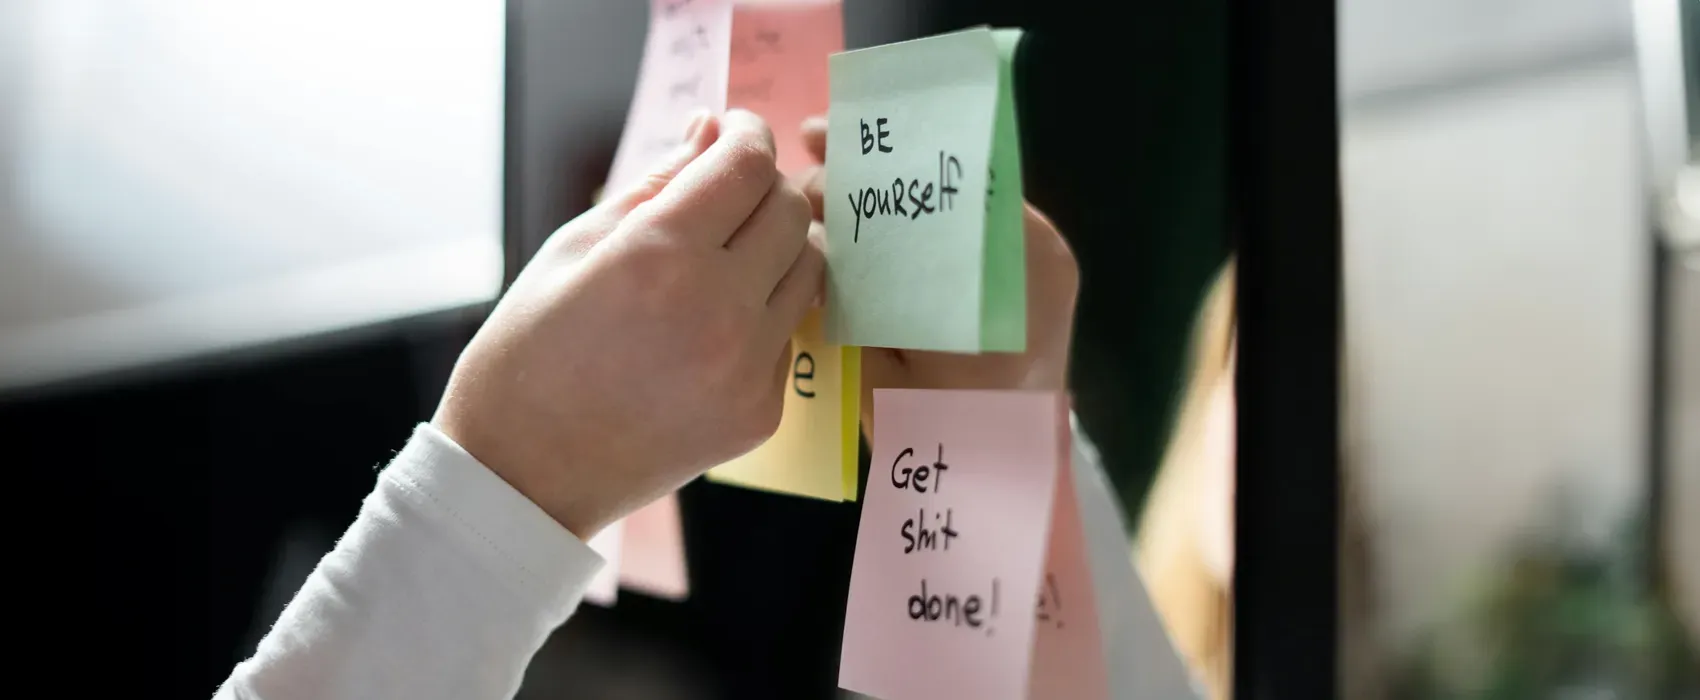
(700, 133)
(576, 239)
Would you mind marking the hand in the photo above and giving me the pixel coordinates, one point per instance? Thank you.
(1216, 479)
(1053, 282)
(648, 339)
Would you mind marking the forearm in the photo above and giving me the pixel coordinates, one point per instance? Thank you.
(444, 587)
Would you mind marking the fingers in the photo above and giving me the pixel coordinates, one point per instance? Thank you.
(800, 289)
(576, 238)
(1053, 286)
(814, 138)
(1053, 274)
(813, 184)
(701, 131)
(712, 196)
(768, 243)
(813, 181)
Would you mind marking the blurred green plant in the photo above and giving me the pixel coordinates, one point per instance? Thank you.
(1561, 619)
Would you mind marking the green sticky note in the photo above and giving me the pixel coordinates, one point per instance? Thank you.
(925, 248)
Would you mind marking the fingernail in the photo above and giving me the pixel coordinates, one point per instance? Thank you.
(694, 126)
(743, 121)
(740, 117)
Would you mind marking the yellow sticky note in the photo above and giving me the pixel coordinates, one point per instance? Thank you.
(814, 452)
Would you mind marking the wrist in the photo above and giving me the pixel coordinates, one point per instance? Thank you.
(529, 471)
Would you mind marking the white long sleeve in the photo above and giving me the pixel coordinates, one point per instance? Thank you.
(444, 587)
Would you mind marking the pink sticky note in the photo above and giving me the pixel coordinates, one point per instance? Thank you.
(951, 547)
(653, 553)
(779, 67)
(684, 69)
(1068, 653)
(767, 56)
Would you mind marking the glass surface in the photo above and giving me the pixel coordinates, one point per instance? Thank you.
(1498, 343)
(1390, 45)
(192, 176)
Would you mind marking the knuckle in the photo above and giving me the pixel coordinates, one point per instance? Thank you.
(651, 185)
(749, 157)
(796, 206)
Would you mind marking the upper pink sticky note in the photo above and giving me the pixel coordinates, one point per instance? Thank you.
(951, 547)
(779, 67)
(1068, 648)
(684, 69)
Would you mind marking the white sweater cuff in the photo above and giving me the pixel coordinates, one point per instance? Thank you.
(495, 522)
(444, 587)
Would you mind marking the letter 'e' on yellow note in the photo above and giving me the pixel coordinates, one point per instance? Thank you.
(814, 453)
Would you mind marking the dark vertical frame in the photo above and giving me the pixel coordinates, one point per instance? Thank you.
(1284, 200)
(1658, 376)
(1663, 159)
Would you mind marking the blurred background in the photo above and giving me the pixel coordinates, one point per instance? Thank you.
(1521, 399)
